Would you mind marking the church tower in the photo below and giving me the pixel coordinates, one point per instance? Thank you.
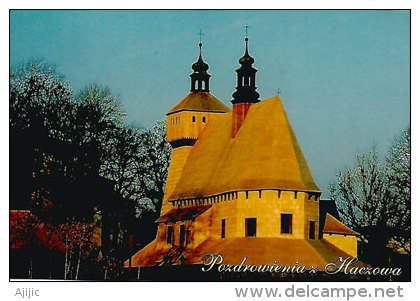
(200, 78)
(245, 94)
(186, 121)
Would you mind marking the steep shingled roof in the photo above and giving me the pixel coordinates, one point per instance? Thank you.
(263, 155)
(262, 250)
(199, 101)
(181, 214)
(334, 226)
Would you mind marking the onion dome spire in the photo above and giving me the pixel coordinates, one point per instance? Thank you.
(246, 60)
(246, 89)
(200, 78)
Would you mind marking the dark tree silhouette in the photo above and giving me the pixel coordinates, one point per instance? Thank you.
(398, 171)
(374, 199)
(73, 158)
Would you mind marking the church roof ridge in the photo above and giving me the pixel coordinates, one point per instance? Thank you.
(199, 101)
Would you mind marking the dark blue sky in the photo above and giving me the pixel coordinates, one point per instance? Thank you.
(344, 75)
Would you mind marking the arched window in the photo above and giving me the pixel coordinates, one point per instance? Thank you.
(204, 119)
(193, 119)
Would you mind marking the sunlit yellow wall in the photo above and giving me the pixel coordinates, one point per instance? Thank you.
(180, 125)
(311, 214)
(266, 209)
(346, 243)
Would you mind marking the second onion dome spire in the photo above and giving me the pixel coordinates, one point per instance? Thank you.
(246, 89)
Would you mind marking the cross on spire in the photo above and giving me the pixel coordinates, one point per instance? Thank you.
(201, 34)
(247, 27)
(278, 91)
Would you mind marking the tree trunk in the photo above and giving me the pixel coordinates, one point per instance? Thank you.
(65, 266)
(69, 265)
(30, 268)
(78, 264)
(70, 269)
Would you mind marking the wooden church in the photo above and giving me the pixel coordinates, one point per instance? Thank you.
(239, 185)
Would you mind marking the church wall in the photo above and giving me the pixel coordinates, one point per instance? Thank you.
(346, 243)
(222, 210)
(311, 214)
(267, 209)
(266, 206)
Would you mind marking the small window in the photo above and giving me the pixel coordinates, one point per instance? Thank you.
(189, 237)
(286, 223)
(250, 227)
(169, 235)
(204, 119)
(193, 119)
(311, 229)
(223, 228)
(181, 234)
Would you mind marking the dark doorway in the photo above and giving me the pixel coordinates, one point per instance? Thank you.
(286, 223)
(311, 229)
(223, 228)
